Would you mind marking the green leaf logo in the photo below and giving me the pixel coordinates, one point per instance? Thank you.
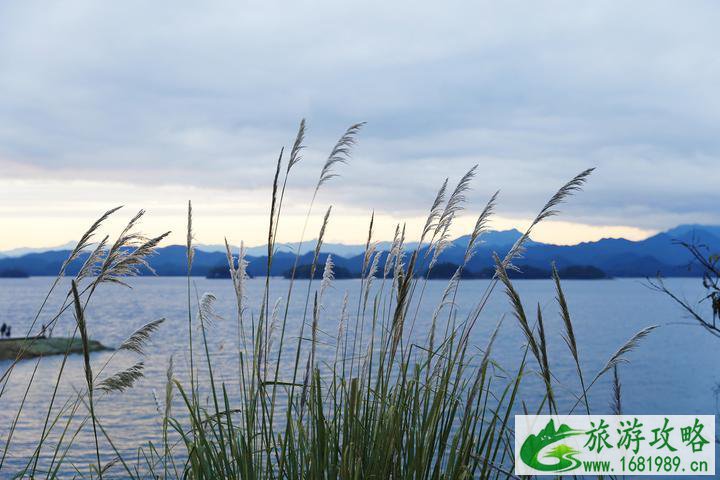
(564, 454)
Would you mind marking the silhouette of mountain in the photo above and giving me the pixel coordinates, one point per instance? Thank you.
(19, 252)
(613, 257)
(341, 249)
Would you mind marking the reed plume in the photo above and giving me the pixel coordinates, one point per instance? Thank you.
(318, 245)
(274, 325)
(404, 415)
(392, 253)
(295, 153)
(122, 380)
(435, 211)
(620, 355)
(441, 236)
(129, 255)
(137, 341)
(548, 210)
(91, 266)
(328, 276)
(86, 239)
(206, 309)
(339, 154)
(617, 358)
(238, 275)
(481, 226)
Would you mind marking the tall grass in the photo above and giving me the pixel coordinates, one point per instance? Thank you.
(392, 403)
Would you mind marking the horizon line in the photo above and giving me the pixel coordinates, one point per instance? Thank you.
(20, 251)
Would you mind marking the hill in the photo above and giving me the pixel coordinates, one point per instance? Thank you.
(609, 257)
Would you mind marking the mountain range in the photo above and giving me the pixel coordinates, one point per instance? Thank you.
(660, 253)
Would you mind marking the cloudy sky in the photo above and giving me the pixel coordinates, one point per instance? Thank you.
(149, 104)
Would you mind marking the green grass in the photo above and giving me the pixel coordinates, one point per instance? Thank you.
(389, 405)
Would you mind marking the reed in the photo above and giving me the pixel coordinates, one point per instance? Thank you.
(393, 403)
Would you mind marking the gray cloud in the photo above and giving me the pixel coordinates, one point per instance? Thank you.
(205, 95)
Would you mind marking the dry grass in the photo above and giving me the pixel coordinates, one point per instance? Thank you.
(391, 405)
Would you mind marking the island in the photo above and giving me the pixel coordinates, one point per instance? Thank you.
(523, 272)
(30, 347)
(582, 272)
(221, 272)
(303, 271)
(13, 273)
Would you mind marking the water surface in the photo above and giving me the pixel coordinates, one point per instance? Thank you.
(672, 372)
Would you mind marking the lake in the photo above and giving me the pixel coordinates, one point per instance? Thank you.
(672, 372)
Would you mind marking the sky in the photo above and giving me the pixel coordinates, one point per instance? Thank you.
(150, 104)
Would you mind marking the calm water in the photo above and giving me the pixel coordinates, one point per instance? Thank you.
(672, 371)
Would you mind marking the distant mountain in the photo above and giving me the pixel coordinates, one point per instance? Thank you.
(607, 257)
(493, 238)
(340, 249)
(19, 252)
(689, 230)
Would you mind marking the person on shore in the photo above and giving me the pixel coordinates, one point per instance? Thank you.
(2, 329)
(7, 332)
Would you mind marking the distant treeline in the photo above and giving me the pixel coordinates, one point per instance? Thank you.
(659, 254)
(446, 270)
(13, 273)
